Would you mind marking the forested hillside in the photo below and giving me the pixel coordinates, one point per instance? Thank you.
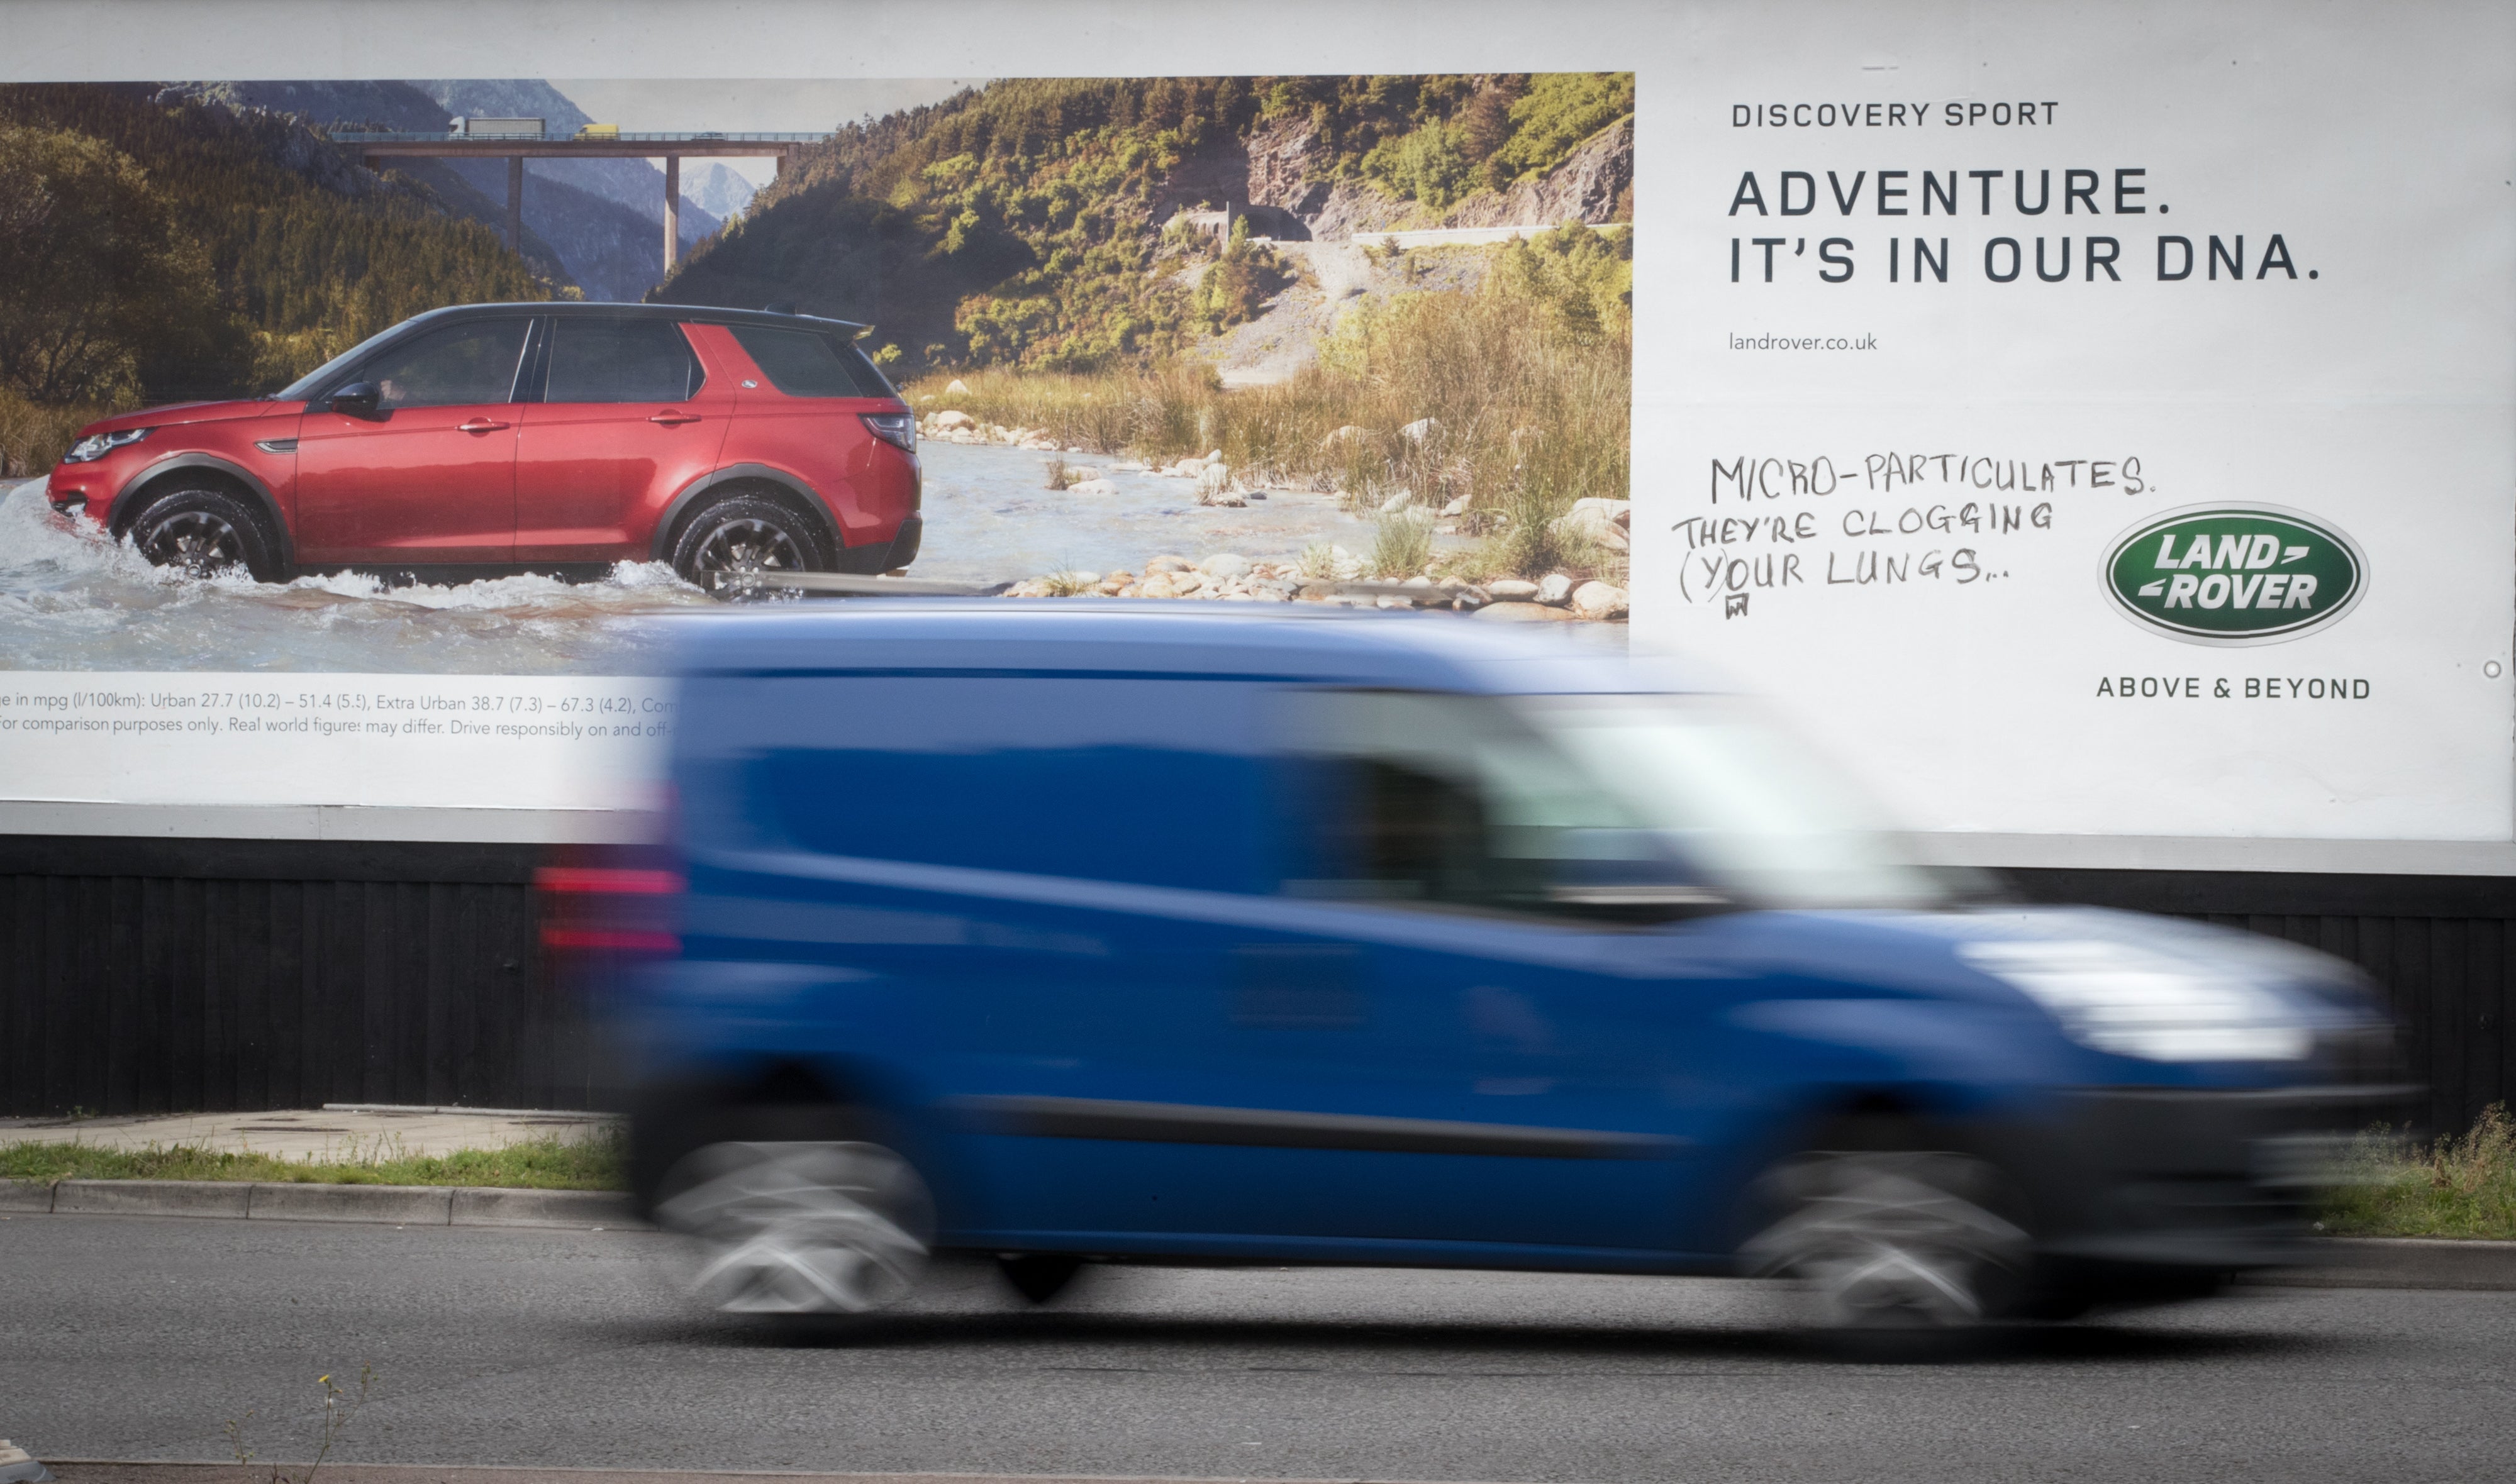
(602, 219)
(156, 246)
(1029, 222)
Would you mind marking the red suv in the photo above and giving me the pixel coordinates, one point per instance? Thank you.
(544, 437)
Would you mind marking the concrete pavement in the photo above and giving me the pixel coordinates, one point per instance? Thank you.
(133, 1339)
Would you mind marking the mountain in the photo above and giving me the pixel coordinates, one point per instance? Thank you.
(288, 253)
(1052, 223)
(719, 190)
(603, 218)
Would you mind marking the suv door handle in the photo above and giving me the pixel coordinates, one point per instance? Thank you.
(478, 425)
(671, 418)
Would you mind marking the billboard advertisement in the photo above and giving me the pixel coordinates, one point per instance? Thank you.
(2083, 422)
(2095, 425)
(366, 435)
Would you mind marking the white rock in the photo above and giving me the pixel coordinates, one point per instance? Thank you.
(1397, 502)
(1421, 429)
(1600, 522)
(1349, 431)
(1458, 507)
(956, 386)
(1073, 448)
(1092, 487)
(1418, 581)
(1215, 457)
(1511, 589)
(1599, 599)
(1213, 479)
(951, 422)
(1555, 590)
(1131, 467)
(1224, 499)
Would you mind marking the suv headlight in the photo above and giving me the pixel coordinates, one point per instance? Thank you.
(96, 445)
(2110, 997)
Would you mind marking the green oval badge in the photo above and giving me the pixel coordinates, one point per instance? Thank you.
(2236, 575)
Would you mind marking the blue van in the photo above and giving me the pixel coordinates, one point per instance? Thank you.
(1181, 933)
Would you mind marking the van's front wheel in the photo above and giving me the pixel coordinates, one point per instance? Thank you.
(798, 1227)
(1886, 1240)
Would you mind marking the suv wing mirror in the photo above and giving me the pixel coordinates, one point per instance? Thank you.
(358, 399)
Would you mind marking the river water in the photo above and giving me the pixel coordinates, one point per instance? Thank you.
(71, 600)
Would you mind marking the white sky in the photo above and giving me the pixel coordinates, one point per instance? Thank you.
(753, 105)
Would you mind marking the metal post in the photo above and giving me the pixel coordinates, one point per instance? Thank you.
(672, 208)
(515, 203)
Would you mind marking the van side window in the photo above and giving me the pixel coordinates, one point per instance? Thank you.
(1455, 801)
(619, 361)
(807, 363)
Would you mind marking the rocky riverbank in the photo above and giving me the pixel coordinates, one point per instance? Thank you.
(1333, 576)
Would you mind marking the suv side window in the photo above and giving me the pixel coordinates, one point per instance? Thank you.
(807, 363)
(619, 361)
(457, 367)
(1455, 801)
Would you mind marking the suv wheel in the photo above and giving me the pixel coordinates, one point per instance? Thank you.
(745, 535)
(1905, 1240)
(798, 1227)
(204, 533)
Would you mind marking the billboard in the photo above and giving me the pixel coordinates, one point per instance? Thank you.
(2095, 424)
(2095, 428)
(366, 435)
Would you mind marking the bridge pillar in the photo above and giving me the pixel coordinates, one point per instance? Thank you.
(672, 208)
(516, 204)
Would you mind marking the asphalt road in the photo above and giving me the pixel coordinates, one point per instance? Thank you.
(139, 1338)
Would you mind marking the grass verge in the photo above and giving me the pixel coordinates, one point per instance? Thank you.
(2462, 1185)
(542, 1164)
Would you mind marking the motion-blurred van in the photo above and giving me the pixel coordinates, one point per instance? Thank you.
(1170, 932)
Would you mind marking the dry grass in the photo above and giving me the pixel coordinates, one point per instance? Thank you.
(544, 1164)
(2458, 1186)
(33, 436)
(1528, 414)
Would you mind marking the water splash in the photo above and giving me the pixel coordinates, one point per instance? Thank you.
(71, 599)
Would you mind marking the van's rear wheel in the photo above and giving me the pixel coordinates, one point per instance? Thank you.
(798, 1227)
(1891, 1241)
(733, 542)
(204, 533)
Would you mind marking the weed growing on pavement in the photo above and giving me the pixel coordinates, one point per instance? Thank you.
(2462, 1185)
(542, 1164)
(339, 1409)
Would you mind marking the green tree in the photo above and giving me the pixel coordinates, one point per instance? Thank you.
(100, 289)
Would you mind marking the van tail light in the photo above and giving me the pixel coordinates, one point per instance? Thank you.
(607, 910)
(898, 428)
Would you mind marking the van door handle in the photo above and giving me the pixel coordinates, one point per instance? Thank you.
(478, 425)
(670, 418)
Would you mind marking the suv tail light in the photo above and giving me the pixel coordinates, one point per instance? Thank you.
(898, 428)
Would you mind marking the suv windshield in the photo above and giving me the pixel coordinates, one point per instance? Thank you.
(1629, 805)
(306, 385)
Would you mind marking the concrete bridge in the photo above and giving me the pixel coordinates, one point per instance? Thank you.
(521, 139)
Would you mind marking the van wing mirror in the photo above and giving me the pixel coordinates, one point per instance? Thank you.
(357, 400)
(1633, 869)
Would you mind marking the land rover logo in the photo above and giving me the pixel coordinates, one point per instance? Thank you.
(2235, 574)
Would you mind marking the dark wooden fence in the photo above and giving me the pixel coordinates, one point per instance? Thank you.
(152, 975)
(161, 975)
